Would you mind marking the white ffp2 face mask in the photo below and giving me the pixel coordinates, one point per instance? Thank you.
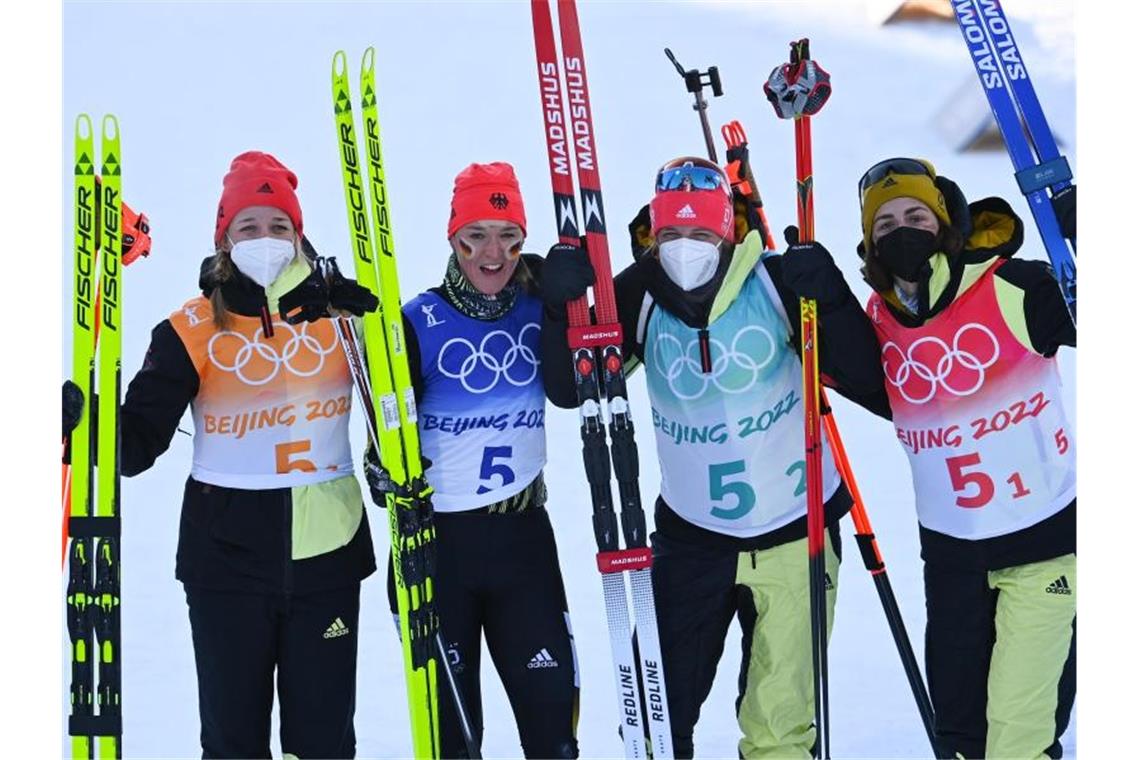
(689, 263)
(262, 259)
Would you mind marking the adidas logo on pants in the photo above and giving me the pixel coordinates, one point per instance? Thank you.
(542, 660)
(1059, 586)
(338, 628)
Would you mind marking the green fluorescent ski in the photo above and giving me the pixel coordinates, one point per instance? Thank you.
(107, 505)
(83, 325)
(110, 347)
(412, 532)
(80, 577)
(401, 454)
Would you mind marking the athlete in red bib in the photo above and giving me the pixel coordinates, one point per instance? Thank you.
(967, 349)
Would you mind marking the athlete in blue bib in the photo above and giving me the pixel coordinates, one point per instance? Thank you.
(707, 317)
(475, 360)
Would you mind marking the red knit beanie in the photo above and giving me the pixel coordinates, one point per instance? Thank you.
(257, 179)
(486, 191)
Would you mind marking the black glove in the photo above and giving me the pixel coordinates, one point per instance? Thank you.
(379, 481)
(307, 302)
(566, 274)
(810, 272)
(1065, 207)
(348, 295)
(736, 167)
(72, 406)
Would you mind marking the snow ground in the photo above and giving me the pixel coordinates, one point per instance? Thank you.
(200, 83)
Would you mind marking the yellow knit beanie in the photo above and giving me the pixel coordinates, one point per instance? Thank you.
(920, 186)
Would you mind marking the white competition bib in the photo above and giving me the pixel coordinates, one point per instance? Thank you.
(730, 441)
(271, 412)
(980, 417)
(482, 418)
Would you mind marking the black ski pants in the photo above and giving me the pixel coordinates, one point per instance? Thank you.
(498, 576)
(242, 639)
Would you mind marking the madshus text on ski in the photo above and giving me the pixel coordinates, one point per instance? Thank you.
(957, 345)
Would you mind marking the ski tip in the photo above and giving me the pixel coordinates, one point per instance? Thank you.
(83, 128)
(110, 127)
(368, 61)
(340, 63)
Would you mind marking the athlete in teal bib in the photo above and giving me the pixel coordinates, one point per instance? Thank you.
(707, 316)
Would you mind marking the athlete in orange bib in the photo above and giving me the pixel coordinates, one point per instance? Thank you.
(273, 540)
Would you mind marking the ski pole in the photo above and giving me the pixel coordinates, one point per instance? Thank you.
(797, 90)
(457, 697)
(696, 82)
(873, 561)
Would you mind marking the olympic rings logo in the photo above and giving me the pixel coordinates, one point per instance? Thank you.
(734, 370)
(500, 355)
(299, 344)
(944, 358)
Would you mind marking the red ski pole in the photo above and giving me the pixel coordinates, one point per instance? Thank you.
(797, 90)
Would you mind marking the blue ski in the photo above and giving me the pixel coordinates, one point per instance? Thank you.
(1038, 166)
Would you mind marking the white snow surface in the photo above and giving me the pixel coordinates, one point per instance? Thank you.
(196, 84)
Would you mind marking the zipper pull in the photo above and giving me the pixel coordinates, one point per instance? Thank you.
(266, 322)
(706, 351)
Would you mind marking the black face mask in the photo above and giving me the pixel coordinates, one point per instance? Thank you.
(906, 252)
